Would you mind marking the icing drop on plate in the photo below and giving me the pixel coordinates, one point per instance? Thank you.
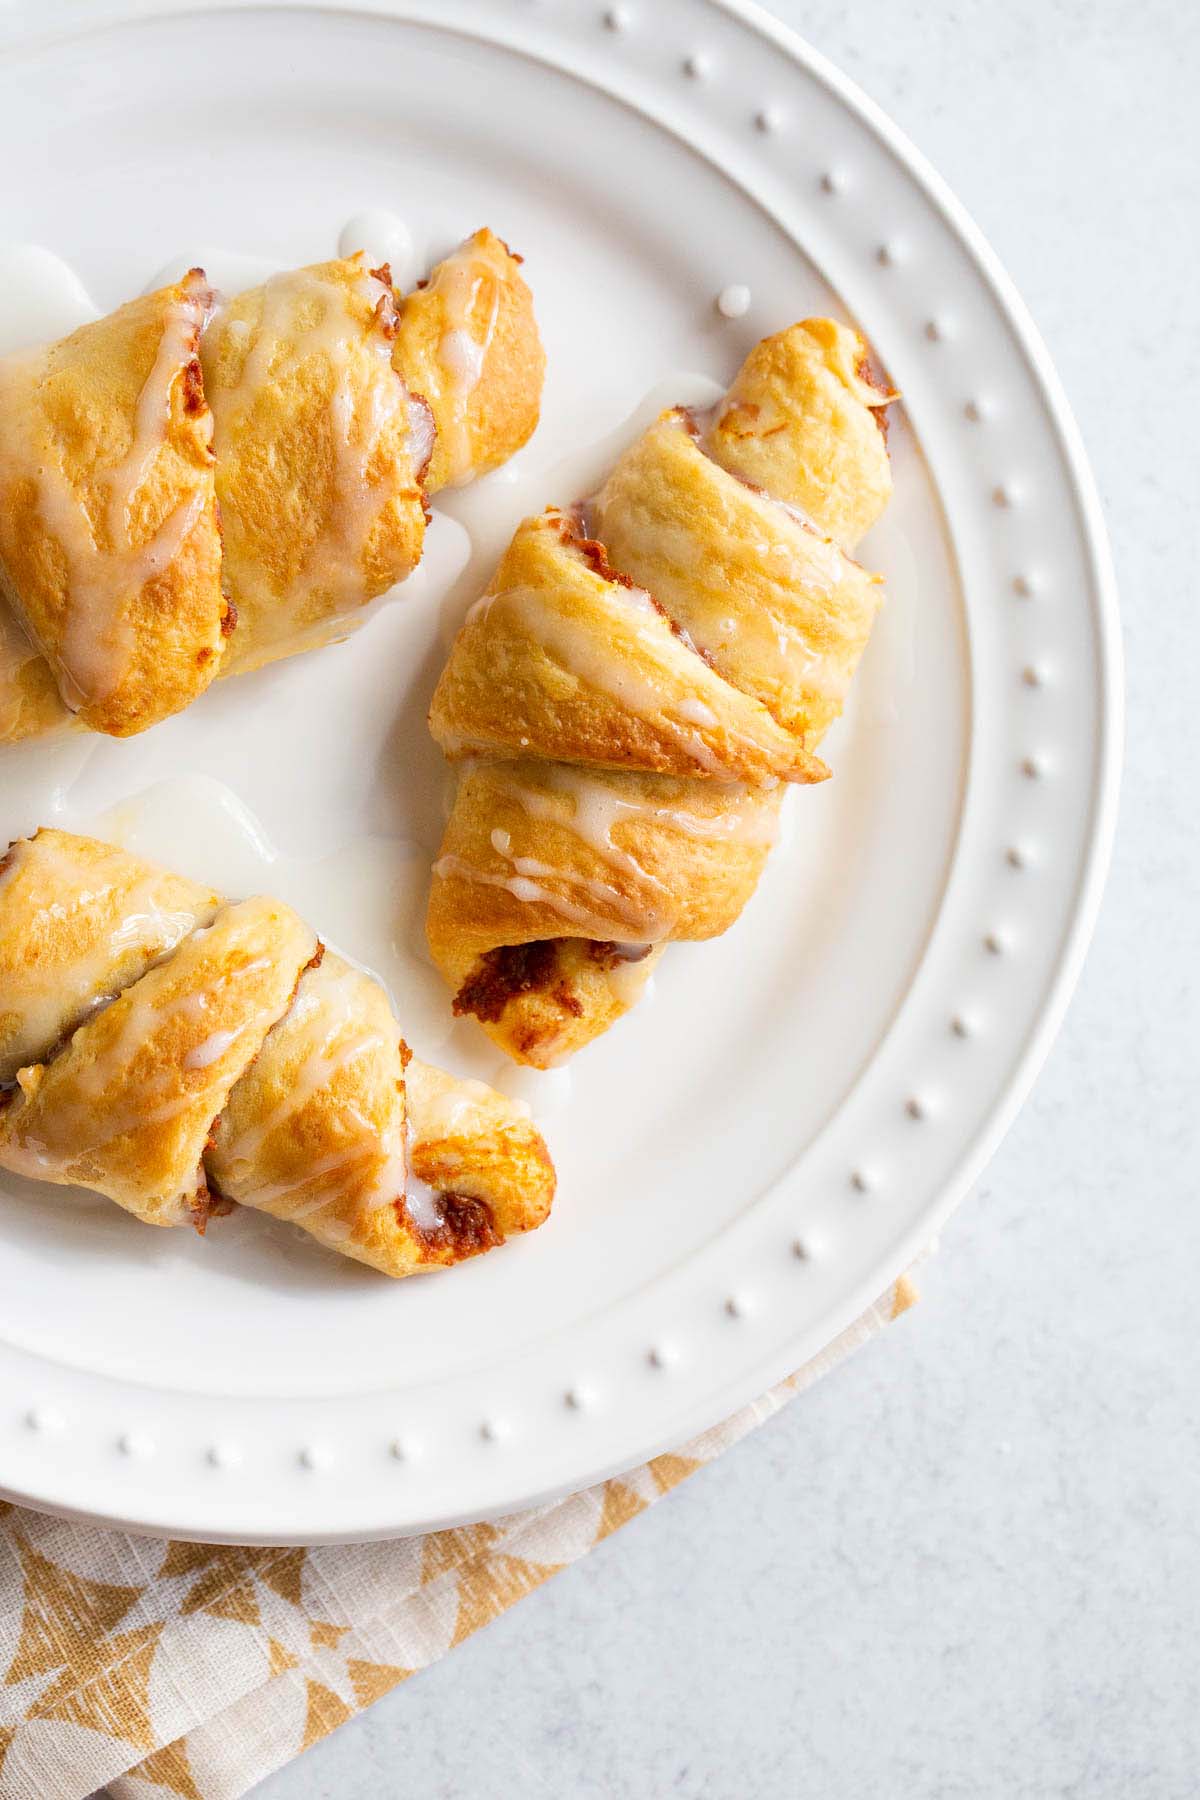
(43, 298)
(733, 302)
(386, 239)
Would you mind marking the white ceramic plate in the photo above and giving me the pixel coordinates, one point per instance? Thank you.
(752, 1156)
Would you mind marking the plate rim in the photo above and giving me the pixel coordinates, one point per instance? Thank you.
(1046, 1016)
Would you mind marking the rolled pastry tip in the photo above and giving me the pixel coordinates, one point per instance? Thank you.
(623, 701)
(180, 1053)
(321, 454)
(110, 548)
(805, 420)
(468, 343)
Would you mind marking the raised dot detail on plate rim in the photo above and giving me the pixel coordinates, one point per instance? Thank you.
(223, 1456)
(44, 1418)
(135, 1444)
(833, 181)
(314, 1457)
(697, 66)
(618, 18)
(917, 1107)
(768, 119)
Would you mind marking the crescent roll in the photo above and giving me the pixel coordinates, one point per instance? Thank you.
(192, 488)
(320, 455)
(468, 342)
(110, 548)
(641, 676)
(182, 1053)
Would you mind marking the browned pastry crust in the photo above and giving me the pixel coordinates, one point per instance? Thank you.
(468, 343)
(121, 606)
(321, 452)
(624, 701)
(181, 1054)
(110, 548)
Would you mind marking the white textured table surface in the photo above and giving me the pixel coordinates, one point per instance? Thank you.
(967, 1564)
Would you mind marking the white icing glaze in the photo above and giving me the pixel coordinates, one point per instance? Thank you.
(438, 1111)
(463, 357)
(385, 238)
(107, 571)
(803, 560)
(44, 299)
(422, 1203)
(733, 302)
(103, 1105)
(524, 483)
(368, 395)
(593, 808)
(333, 1005)
(462, 350)
(77, 991)
(627, 979)
(641, 688)
(213, 1047)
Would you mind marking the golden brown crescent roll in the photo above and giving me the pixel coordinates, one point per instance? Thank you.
(321, 453)
(639, 678)
(122, 604)
(468, 343)
(180, 1053)
(110, 550)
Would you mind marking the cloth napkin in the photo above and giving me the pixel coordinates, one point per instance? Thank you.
(167, 1668)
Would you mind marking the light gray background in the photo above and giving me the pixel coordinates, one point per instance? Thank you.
(966, 1564)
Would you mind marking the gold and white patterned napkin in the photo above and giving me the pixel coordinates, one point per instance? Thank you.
(163, 1668)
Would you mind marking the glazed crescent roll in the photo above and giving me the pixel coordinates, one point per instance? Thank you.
(110, 549)
(191, 487)
(641, 676)
(467, 341)
(181, 1053)
(320, 454)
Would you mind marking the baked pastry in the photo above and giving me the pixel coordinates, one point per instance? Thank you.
(292, 421)
(110, 548)
(320, 455)
(641, 676)
(467, 341)
(180, 1053)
